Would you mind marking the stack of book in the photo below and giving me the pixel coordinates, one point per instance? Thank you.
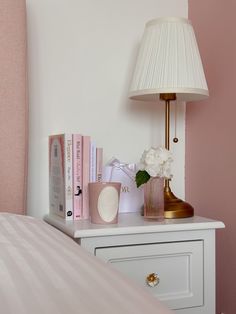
(74, 161)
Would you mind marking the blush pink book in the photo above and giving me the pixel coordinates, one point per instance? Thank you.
(85, 176)
(77, 175)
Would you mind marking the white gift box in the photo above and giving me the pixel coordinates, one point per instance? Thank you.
(131, 197)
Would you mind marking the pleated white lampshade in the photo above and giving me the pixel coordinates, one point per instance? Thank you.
(169, 62)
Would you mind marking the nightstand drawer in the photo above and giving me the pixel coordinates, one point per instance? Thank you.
(177, 265)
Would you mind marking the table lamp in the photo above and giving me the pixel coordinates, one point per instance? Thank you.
(169, 68)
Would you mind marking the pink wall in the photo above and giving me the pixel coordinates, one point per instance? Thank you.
(13, 106)
(210, 137)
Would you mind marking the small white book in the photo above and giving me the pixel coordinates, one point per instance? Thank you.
(93, 157)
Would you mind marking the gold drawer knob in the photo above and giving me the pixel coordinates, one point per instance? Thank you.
(152, 280)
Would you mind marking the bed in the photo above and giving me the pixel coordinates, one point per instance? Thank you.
(43, 271)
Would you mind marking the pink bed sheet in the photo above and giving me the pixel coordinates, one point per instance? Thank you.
(43, 271)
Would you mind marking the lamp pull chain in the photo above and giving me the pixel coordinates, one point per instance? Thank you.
(175, 139)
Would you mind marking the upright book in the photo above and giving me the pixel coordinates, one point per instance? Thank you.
(60, 175)
(99, 163)
(77, 175)
(85, 176)
(93, 157)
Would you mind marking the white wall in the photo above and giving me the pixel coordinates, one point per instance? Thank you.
(81, 56)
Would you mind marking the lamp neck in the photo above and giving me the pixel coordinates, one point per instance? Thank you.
(167, 124)
(167, 97)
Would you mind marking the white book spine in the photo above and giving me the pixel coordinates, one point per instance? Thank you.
(92, 172)
(99, 164)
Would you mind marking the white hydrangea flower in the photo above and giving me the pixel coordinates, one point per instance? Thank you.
(157, 162)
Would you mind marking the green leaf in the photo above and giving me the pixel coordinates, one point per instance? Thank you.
(141, 177)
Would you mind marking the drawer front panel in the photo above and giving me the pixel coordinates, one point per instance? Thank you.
(178, 265)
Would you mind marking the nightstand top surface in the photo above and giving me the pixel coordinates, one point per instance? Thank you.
(130, 223)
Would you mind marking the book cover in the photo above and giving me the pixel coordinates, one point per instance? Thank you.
(93, 157)
(99, 163)
(85, 176)
(77, 176)
(60, 175)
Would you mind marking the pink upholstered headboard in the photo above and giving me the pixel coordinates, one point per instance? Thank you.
(13, 106)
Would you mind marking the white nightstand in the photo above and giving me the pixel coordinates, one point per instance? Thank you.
(179, 252)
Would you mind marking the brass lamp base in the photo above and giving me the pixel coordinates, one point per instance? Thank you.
(175, 207)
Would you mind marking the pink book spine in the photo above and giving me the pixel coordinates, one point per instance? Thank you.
(85, 180)
(56, 175)
(77, 175)
(68, 176)
(99, 164)
(60, 175)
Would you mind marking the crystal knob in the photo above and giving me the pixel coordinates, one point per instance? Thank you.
(152, 280)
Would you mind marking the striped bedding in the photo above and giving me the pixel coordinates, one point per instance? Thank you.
(43, 271)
